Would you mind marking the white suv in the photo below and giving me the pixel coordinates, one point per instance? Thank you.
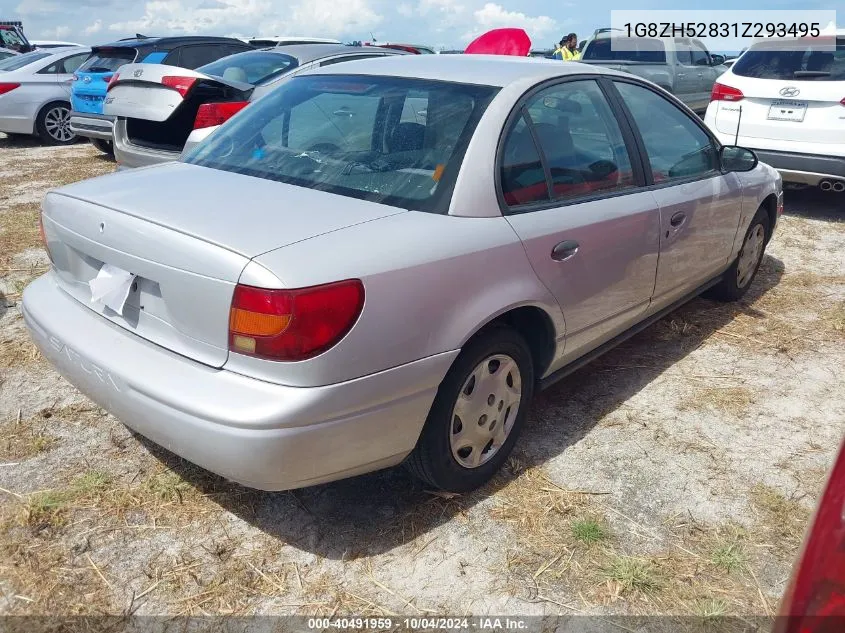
(788, 99)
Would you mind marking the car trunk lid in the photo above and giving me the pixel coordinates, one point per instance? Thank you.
(154, 92)
(186, 233)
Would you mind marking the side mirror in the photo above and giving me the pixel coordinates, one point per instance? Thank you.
(734, 158)
(717, 60)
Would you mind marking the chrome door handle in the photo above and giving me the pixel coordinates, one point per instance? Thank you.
(565, 250)
(678, 219)
(681, 74)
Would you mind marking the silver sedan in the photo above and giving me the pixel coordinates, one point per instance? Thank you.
(311, 295)
(35, 93)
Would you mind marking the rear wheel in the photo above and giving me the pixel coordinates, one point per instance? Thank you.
(477, 414)
(737, 279)
(53, 124)
(104, 146)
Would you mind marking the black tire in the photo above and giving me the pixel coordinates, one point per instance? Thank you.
(432, 460)
(730, 288)
(106, 147)
(53, 124)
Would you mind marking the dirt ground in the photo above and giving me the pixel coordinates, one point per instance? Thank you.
(675, 475)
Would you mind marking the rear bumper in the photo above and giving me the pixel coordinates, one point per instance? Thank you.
(809, 169)
(127, 154)
(99, 126)
(17, 124)
(259, 434)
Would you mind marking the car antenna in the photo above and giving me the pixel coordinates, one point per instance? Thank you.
(738, 121)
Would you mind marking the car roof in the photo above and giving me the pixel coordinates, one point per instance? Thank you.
(488, 70)
(309, 52)
(171, 40)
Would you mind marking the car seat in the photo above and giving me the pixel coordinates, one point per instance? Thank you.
(233, 73)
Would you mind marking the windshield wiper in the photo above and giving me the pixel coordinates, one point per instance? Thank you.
(811, 73)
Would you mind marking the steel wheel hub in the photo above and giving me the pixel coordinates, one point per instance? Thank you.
(57, 123)
(484, 413)
(750, 255)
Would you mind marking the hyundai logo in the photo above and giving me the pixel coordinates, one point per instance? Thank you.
(87, 79)
(790, 91)
(139, 72)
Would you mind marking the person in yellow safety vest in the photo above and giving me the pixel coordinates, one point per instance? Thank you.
(567, 50)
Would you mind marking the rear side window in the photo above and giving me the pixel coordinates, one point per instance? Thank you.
(108, 60)
(677, 148)
(522, 177)
(345, 134)
(64, 66)
(646, 50)
(254, 67)
(192, 57)
(795, 60)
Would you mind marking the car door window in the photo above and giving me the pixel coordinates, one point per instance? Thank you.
(683, 52)
(580, 139)
(415, 107)
(521, 174)
(195, 56)
(699, 54)
(677, 148)
(332, 121)
(70, 64)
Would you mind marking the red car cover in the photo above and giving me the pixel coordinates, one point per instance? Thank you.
(501, 42)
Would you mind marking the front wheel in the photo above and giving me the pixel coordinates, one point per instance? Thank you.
(737, 279)
(106, 147)
(477, 414)
(53, 124)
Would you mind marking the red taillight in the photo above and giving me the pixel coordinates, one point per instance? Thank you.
(180, 84)
(843, 101)
(112, 80)
(815, 599)
(43, 235)
(290, 325)
(211, 114)
(7, 87)
(75, 77)
(722, 92)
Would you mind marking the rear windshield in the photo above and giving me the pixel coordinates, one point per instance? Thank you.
(108, 60)
(252, 67)
(390, 140)
(794, 61)
(625, 49)
(19, 61)
(9, 38)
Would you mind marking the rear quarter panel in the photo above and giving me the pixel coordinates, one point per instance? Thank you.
(431, 281)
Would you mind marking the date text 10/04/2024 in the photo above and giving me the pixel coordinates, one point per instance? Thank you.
(422, 624)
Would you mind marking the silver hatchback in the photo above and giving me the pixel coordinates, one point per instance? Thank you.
(308, 296)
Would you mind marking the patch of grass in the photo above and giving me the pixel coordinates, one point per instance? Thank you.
(92, 483)
(711, 608)
(632, 574)
(733, 400)
(588, 531)
(729, 557)
(46, 510)
(784, 520)
(23, 441)
(18, 229)
(168, 487)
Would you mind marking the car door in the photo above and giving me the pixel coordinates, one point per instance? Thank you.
(705, 75)
(699, 205)
(570, 186)
(686, 75)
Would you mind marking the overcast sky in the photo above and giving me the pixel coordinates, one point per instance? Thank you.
(449, 23)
